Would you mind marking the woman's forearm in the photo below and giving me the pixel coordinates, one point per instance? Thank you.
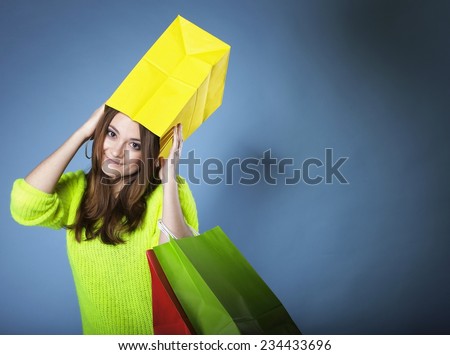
(46, 175)
(172, 215)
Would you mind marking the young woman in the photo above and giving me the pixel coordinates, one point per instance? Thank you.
(111, 215)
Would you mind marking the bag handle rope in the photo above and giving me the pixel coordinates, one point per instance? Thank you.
(162, 227)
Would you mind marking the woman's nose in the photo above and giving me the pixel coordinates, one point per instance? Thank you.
(117, 150)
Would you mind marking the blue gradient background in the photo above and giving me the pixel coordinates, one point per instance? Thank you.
(369, 79)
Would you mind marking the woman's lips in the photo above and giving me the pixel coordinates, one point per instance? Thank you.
(112, 161)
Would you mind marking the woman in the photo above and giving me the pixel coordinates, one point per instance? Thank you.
(110, 215)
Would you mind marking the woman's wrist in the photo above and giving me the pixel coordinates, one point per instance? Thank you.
(170, 184)
(82, 134)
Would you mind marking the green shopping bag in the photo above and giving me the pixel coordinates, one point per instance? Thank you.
(218, 289)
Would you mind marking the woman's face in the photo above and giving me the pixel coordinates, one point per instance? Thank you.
(122, 147)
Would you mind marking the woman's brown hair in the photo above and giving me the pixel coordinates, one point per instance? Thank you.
(101, 213)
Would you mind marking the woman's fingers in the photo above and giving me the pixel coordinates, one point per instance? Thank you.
(177, 143)
(169, 166)
(180, 138)
(89, 126)
(175, 139)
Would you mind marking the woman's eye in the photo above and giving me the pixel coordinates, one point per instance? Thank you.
(135, 146)
(111, 133)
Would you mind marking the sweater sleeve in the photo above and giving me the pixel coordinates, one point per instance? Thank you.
(33, 207)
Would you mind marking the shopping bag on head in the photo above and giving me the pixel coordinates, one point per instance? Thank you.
(180, 79)
(169, 317)
(219, 290)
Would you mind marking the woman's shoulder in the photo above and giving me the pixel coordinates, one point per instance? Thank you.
(183, 189)
(74, 175)
(75, 180)
(72, 180)
(78, 175)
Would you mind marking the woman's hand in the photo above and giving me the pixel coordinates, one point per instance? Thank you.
(169, 167)
(89, 126)
(46, 175)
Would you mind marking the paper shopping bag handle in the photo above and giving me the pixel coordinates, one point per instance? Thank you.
(163, 228)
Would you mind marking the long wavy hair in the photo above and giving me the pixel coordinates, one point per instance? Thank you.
(101, 213)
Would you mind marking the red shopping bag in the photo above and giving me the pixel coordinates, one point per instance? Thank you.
(169, 317)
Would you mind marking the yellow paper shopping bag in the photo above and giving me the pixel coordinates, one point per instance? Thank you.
(180, 79)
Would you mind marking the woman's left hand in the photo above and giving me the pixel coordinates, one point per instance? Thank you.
(169, 167)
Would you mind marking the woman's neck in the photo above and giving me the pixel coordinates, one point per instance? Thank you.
(117, 187)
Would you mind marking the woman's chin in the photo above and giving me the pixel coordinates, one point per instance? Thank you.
(112, 174)
(111, 170)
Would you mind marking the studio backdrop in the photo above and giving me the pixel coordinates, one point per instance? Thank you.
(327, 164)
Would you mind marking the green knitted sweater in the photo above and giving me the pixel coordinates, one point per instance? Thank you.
(112, 281)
